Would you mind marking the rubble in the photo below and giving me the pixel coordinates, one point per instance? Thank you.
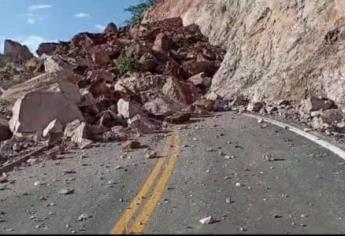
(111, 86)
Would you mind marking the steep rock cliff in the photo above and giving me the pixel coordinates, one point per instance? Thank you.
(276, 49)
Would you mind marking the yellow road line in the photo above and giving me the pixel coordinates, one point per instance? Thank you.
(151, 204)
(122, 225)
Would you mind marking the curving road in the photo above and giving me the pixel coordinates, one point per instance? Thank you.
(250, 177)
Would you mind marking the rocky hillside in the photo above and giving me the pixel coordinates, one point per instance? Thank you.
(276, 49)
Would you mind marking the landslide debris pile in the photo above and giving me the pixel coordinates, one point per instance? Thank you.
(111, 86)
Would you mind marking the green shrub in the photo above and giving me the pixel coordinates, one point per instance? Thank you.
(138, 11)
(126, 64)
(8, 70)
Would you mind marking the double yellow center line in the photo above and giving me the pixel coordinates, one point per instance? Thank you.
(141, 209)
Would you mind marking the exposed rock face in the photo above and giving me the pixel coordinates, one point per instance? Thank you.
(17, 52)
(275, 49)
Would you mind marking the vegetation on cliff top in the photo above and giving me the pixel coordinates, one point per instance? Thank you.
(138, 11)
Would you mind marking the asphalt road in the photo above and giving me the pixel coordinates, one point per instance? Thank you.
(217, 167)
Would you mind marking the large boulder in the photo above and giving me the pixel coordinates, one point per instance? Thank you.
(33, 112)
(56, 63)
(46, 48)
(162, 43)
(17, 52)
(313, 104)
(180, 91)
(41, 82)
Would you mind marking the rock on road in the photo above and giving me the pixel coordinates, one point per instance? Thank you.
(250, 178)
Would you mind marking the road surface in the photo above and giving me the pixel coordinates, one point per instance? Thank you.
(250, 177)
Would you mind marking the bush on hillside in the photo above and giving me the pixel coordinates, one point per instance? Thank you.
(138, 11)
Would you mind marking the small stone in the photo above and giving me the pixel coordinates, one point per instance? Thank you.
(260, 120)
(151, 155)
(195, 139)
(37, 183)
(83, 217)
(228, 200)
(132, 144)
(268, 157)
(238, 185)
(207, 220)
(243, 229)
(66, 191)
(118, 167)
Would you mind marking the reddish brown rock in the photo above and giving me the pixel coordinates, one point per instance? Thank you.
(110, 29)
(179, 118)
(17, 52)
(162, 43)
(180, 91)
(46, 48)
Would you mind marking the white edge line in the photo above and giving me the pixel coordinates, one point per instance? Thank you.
(336, 150)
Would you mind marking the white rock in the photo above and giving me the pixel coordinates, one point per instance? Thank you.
(207, 220)
(128, 109)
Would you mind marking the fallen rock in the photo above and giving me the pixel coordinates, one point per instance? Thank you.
(54, 131)
(56, 63)
(162, 43)
(179, 118)
(255, 106)
(5, 132)
(201, 80)
(78, 133)
(17, 52)
(207, 220)
(111, 28)
(128, 109)
(66, 191)
(162, 107)
(151, 155)
(46, 48)
(332, 116)
(180, 91)
(32, 113)
(142, 125)
(314, 104)
(132, 144)
(100, 57)
(41, 82)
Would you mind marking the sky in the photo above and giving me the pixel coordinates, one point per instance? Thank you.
(31, 22)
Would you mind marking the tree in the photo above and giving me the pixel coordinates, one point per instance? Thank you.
(138, 11)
